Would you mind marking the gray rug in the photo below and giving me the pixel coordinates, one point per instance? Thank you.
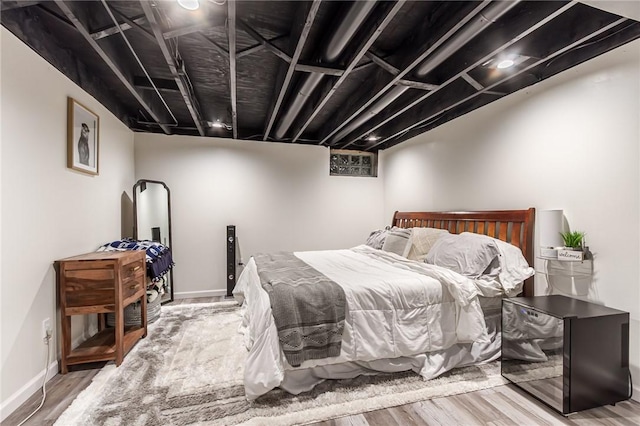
(188, 371)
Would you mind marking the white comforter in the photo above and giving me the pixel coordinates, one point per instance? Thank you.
(395, 308)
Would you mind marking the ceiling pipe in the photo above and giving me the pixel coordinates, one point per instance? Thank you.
(481, 22)
(348, 27)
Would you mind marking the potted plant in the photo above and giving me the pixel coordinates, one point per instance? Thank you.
(573, 240)
(573, 249)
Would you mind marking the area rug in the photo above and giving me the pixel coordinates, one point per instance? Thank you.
(188, 371)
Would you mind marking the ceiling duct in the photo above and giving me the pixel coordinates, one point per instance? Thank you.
(348, 27)
(484, 19)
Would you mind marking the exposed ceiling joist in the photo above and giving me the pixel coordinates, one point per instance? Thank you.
(368, 39)
(189, 98)
(158, 83)
(319, 69)
(395, 71)
(112, 29)
(416, 84)
(304, 33)
(219, 21)
(266, 43)
(344, 118)
(388, 69)
(471, 81)
(258, 47)
(111, 64)
(383, 64)
(231, 35)
(507, 78)
(530, 29)
(132, 24)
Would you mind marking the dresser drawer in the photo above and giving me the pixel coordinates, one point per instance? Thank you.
(84, 287)
(132, 275)
(133, 269)
(133, 286)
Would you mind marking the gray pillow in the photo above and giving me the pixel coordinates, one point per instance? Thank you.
(468, 254)
(398, 241)
(377, 237)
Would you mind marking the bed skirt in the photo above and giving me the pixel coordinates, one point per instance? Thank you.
(429, 365)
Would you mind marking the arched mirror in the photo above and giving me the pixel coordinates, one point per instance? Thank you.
(152, 223)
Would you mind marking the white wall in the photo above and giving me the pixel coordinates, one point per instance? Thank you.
(48, 211)
(279, 197)
(569, 142)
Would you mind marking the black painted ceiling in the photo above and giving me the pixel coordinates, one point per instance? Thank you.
(357, 75)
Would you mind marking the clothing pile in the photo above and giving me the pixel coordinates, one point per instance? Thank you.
(159, 262)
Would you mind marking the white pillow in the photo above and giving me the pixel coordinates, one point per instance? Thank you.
(422, 239)
(514, 268)
(398, 241)
(467, 253)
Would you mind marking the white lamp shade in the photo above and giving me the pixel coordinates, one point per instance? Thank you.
(550, 226)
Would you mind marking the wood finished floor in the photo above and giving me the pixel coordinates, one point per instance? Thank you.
(499, 406)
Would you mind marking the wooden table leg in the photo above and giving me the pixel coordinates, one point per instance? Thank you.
(65, 323)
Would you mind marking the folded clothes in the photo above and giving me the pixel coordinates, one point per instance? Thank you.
(159, 257)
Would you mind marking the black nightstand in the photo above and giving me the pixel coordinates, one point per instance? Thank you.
(570, 354)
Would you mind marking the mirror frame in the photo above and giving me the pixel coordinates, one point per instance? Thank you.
(135, 222)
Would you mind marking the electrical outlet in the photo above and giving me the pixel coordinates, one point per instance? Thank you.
(46, 328)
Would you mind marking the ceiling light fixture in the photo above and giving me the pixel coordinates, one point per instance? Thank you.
(189, 4)
(372, 138)
(505, 63)
(219, 124)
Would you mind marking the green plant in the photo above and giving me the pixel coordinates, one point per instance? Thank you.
(572, 239)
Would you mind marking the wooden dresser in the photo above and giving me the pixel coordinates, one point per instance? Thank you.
(99, 283)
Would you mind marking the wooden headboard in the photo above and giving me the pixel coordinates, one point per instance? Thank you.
(512, 226)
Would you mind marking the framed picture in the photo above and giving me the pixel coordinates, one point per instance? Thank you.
(83, 138)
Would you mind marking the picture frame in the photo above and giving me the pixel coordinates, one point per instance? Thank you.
(83, 138)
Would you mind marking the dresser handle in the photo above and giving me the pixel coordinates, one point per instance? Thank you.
(135, 269)
(134, 286)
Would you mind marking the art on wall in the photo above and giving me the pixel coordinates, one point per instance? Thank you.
(83, 138)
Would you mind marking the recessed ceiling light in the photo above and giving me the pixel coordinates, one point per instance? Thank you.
(189, 4)
(219, 124)
(372, 138)
(505, 63)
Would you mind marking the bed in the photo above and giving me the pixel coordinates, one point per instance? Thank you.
(397, 314)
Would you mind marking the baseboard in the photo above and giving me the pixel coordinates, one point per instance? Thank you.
(196, 294)
(636, 393)
(18, 398)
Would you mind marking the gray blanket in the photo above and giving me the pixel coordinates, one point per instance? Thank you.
(308, 308)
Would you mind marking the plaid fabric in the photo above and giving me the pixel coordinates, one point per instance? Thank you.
(422, 240)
